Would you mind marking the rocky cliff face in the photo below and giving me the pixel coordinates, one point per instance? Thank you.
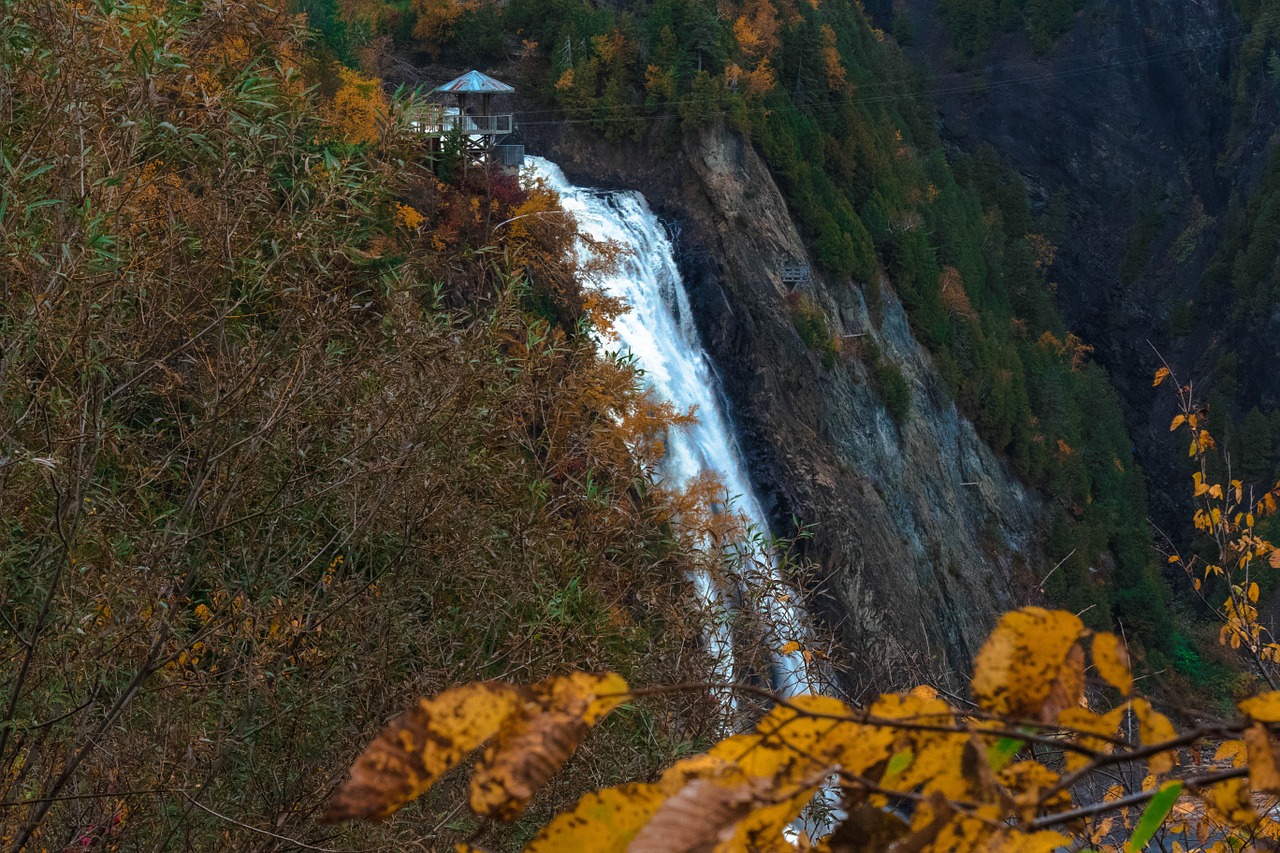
(921, 534)
(1125, 135)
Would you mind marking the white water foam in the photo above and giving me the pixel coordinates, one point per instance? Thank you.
(659, 332)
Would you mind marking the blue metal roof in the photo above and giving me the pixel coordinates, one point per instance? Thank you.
(475, 83)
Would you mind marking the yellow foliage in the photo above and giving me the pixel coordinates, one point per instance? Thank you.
(601, 821)
(756, 29)
(969, 783)
(837, 78)
(1264, 776)
(1154, 728)
(954, 295)
(435, 20)
(359, 107)
(1263, 708)
(1112, 661)
(761, 79)
(409, 217)
(418, 747)
(1031, 666)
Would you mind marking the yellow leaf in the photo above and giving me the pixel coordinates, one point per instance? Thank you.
(1264, 708)
(1084, 723)
(539, 739)
(1161, 375)
(1239, 490)
(1013, 841)
(1153, 728)
(1264, 776)
(792, 743)
(1231, 799)
(1111, 659)
(764, 827)
(1232, 750)
(1253, 592)
(411, 753)
(1031, 665)
(789, 648)
(602, 821)
(1177, 422)
(1215, 491)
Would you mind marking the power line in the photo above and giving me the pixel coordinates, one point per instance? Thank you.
(1241, 34)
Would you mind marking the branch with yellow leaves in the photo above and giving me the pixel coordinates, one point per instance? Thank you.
(939, 779)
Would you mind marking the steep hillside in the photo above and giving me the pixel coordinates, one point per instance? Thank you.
(1144, 133)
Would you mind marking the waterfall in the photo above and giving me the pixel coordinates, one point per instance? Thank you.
(659, 333)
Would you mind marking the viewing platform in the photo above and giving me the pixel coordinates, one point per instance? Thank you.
(470, 121)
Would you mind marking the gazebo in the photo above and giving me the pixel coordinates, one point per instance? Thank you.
(471, 117)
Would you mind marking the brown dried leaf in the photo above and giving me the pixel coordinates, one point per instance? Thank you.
(698, 817)
(416, 748)
(539, 739)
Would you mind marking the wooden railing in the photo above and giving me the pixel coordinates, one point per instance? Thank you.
(441, 124)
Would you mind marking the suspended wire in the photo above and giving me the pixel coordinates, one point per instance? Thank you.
(1241, 34)
(977, 73)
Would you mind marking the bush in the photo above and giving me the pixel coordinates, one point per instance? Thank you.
(895, 391)
(811, 324)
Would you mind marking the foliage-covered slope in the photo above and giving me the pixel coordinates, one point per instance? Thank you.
(285, 438)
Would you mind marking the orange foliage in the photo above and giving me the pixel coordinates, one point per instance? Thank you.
(1042, 250)
(358, 108)
(661, 82)
(1073, 350)
(954, 295)
(761, 79)
(409, 217)
(435, 22)
(610, 47)
(756, 29)
(837, 79)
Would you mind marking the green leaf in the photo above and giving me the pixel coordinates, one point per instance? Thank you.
(37, 172)
(899, 762)
(1000, 753)
(1153, 816)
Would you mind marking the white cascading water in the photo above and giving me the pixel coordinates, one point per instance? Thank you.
(659, 332)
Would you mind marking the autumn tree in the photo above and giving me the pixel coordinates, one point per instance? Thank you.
(1228, 575)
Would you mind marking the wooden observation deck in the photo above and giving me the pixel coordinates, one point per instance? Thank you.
(465, 117)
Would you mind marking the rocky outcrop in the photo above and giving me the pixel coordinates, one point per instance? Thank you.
(921, 534)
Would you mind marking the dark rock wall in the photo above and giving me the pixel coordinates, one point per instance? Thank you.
(1129, 115)
(921, 533)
